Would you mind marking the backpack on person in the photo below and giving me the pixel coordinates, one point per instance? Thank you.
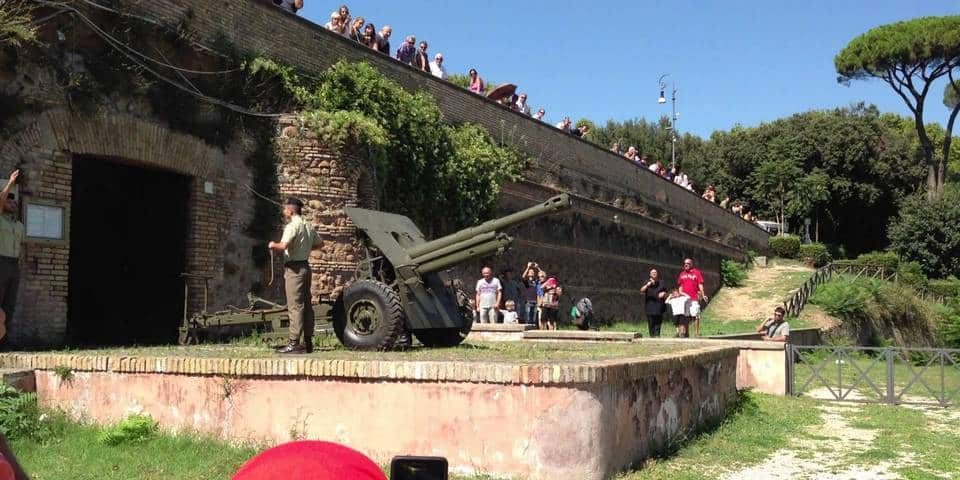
(582, 313)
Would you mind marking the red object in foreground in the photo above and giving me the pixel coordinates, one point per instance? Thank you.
(310, 460)
(6, 470)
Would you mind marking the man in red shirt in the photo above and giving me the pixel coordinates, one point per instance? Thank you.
(690, 282)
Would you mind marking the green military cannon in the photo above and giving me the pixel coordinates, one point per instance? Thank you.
(400, 286)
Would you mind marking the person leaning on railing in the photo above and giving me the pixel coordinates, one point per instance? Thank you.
(289, 5)
(775, 329)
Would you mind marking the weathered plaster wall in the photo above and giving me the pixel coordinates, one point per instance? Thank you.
(542, 421)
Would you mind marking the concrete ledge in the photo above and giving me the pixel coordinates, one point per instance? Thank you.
(498, 332)
(710, 341)
(578, 335)
(539, 373)
(549, 431)
(798, 336)
(761, 366)
(500, 327)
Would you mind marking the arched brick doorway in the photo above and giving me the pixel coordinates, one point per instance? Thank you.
(48, 151)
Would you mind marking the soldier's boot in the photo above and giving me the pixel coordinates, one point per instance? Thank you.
(292, 348)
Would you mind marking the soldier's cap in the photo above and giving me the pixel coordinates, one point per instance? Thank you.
(293, 201)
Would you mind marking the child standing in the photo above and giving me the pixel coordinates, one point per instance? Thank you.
(510, 316)
(679, 306)
(550, 305)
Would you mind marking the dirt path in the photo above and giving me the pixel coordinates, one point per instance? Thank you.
(824, 453)
(765, 288)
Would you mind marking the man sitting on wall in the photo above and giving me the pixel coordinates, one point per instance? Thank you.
(775, 329)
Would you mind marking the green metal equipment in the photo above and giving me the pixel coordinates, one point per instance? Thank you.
(400, 286)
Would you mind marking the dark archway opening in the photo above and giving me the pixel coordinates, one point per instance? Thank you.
(128, 230)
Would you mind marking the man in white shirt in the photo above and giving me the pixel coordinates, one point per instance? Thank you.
(437, 68)
(489, 296)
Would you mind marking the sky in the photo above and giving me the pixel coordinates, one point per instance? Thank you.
(733, 62)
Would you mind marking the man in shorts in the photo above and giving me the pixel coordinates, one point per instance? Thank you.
(690, 282)
(489, 296)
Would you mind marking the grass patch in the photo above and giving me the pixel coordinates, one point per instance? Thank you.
(912, 382)
(76, 454)
(709, 325)
(929, 442)
(760, 425)
(469, 351)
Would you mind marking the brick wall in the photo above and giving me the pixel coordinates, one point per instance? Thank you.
(562, 161)
(45, 151)
(327, 182)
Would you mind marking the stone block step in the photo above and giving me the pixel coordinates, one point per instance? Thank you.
(577, 335)
(500, 327)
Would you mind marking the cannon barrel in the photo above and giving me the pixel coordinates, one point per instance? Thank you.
(554, 204)
(483, 237)
(490, 247)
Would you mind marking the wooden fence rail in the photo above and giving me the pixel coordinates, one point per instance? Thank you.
(794, 305)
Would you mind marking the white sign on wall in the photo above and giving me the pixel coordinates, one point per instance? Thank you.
(44, 221)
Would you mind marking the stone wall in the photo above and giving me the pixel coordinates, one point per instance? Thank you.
(563, 162)
(592, 419)
(625, 219)
(327, 182)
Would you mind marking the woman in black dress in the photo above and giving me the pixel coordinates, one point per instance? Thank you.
(654, 300)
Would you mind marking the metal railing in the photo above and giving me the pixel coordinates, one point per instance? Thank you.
(794, 305)
(799, 299)
(920, 376)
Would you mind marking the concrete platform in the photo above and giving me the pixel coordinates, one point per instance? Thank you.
(498, 332)
(533, 420)
(580, 336)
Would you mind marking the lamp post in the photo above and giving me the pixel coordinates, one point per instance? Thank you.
(673, 117)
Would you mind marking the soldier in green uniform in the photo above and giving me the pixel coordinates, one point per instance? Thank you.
(11, 239)
(299, 238)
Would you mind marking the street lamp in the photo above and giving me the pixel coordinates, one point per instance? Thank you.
(673, 117)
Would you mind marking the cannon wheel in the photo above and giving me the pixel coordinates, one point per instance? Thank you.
(369, 316)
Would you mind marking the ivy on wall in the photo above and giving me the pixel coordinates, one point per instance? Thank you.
(426, 166)
(443, 176)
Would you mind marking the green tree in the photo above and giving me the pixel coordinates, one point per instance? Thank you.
(910, 56)
(773, 182)
(929, 233)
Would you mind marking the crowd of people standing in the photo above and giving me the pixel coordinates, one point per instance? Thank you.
(533, 298)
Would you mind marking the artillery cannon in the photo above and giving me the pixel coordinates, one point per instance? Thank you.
(400, 286)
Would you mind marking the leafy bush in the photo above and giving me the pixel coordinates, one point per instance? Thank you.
(948, 287)
(928, 232)
(20, 416)
(785, 246)
(911, 273)
(423, 164)
(950, 323)
(817, 253)
(878, 313)
(841, 298)
(837, 251)
(134, 428)
(732, 273)
(887, 260)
